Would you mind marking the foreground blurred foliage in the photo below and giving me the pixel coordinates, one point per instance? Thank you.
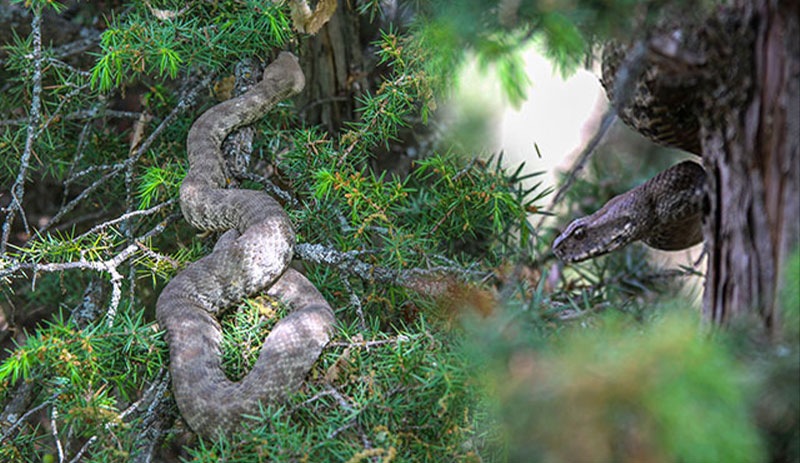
(613, 388)
(622, 391)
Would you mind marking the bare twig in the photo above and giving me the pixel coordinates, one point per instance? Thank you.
(83, 449)
(356, 302)
(109, 266)
(78, 46)
(27, 415)
(183, 104)
(75, 176)
(56, 113)
(270, 187)
(83, 114)
(605, 123)
(54, 431)
(624, 83)
(349, 263)
(368, 344)
(18, 189)
(57, 63)
(127, 216)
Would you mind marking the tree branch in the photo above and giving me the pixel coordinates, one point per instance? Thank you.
(18, 189)
(184, 103)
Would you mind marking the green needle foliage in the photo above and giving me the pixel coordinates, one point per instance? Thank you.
(158, 183)
(85, 374)
(197, 34)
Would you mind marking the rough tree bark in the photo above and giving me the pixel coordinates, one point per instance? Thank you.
(333, 62)
(751, 134)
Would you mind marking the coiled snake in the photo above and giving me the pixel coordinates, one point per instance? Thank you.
(665, 212)
(251, 257)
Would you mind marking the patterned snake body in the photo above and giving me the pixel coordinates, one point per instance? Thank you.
(665, 212)
(251, 257)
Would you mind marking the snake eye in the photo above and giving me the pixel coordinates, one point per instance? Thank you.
(579, 233)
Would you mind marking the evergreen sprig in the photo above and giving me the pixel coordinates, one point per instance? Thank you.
(144, 42)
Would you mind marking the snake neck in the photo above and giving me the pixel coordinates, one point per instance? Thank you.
(282, 79)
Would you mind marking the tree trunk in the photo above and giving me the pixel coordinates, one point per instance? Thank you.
(751, 135)
(333, 62)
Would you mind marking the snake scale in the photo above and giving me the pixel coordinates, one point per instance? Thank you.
(666, 212)
(251, 257)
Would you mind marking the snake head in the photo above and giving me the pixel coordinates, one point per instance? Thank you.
(608, 229)
(287, 67)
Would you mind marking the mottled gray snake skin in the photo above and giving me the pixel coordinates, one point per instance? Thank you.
(250, 258)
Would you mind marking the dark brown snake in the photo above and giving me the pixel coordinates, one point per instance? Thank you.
(666, 211)
(251, 257)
